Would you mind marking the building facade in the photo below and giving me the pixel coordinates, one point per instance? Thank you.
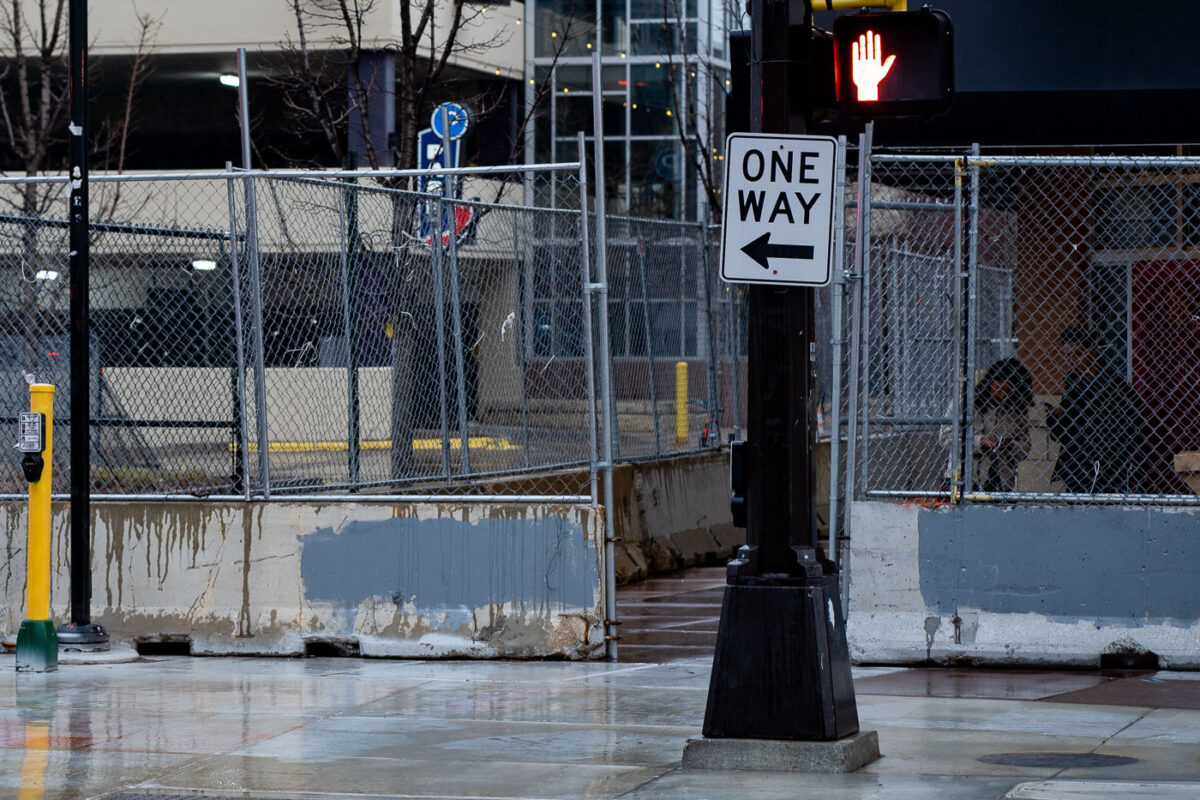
(664, 76)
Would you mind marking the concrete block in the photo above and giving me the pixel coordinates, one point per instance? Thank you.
(841, 755)
(729, 538)
(662, 555)
(695, 546)
(630, 563)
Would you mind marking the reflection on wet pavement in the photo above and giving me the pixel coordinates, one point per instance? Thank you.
(671, 617)
(372, 729)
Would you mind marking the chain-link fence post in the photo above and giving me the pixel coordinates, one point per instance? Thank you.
(241, 481)
(838, 293)
(649, 339)
(521, 263)
(857, 363)
(972, 320)
(460, 375)
(439, 300)
(606, 382)
(256, 322)
(956, 479)
(708, 345)
(589, 347)
(348, 228)
(403, 327)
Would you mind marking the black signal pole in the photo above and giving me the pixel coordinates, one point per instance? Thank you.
(80, 630)
(781, 668)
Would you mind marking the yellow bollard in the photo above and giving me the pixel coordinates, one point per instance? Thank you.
(681, 402)
(37, 641)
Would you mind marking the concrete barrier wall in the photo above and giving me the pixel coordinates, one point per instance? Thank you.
(269, 578)
(673, 513)
(1035, 585)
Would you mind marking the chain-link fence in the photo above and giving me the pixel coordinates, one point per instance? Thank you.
(257, 334)
(1028, 329)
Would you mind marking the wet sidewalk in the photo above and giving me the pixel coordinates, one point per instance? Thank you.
(169, 727)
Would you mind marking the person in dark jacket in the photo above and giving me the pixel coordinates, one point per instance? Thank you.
(1099, 424)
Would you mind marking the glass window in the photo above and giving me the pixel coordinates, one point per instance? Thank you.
(665, 327)
(613, 78)
(568, 335)
(614, 172)
(543, 277)
(615, 27)
(565, 26)
(573, 79)
(616, 329)
(572, 113)
(568, 150)
(542, 328)
(652, 109)
(654, 171)
(653, 36)
(690, 332)
(637, 330)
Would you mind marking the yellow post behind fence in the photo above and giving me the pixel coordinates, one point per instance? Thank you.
(37, 641)
(681, 402)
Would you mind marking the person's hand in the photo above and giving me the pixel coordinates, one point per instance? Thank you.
(988, 443)
(1054, 411)
(868, 68)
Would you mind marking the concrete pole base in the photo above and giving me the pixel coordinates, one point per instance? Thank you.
(840, 755)
(37, 646)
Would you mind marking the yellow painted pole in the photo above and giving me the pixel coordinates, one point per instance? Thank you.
(35, 761)
(37, 605)
(681, 402)
(37, 641)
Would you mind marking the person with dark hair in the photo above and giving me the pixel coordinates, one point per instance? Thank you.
(1003, 398)
(1099, 424)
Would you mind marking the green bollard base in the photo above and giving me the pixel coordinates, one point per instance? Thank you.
(37, 646)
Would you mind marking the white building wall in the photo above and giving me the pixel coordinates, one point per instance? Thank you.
(216, 26)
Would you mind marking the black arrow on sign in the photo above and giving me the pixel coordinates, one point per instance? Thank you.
(761, 249)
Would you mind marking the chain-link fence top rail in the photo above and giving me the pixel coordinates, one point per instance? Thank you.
(227, 308)
(1031, 327)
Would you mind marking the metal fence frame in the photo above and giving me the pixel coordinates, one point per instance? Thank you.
(715, 354)
(975, 293)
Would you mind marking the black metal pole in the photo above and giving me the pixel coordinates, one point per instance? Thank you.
(781, 669)
(780, 421)
(80, 630)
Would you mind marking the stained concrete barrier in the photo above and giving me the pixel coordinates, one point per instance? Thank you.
(1027, 586)
(277, 578)
(671, 513)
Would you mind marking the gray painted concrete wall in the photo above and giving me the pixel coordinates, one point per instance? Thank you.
(398, 580)
(1025, 585)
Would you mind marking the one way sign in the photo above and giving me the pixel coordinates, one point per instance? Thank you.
(779, 194)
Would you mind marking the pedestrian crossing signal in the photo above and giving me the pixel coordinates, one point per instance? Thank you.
(897, 64)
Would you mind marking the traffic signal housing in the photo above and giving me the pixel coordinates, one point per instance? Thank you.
(895, 64)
